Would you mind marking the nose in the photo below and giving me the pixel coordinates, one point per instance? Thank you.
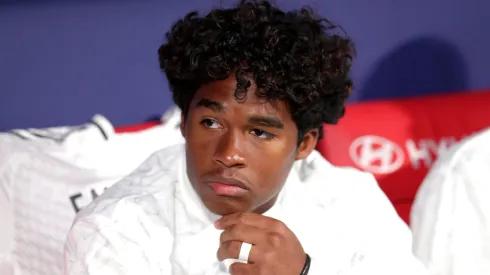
(229, 151)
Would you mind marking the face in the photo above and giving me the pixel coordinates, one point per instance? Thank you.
(239, 153)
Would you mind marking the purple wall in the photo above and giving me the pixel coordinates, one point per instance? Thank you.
(63, 61)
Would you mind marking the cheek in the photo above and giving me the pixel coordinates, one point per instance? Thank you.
(199, 153)
(272, 168)
(199, 148)
(200, 141)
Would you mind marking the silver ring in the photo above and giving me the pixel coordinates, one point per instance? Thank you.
(244, 252)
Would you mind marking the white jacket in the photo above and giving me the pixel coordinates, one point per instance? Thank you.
(450, 217)
(48, 175)
(154, 223)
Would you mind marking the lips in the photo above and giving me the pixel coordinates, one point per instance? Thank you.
(227, 186)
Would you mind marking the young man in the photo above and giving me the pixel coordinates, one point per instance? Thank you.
(247, 194)
(450, 217)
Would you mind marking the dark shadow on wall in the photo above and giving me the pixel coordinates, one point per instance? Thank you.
(425, 65)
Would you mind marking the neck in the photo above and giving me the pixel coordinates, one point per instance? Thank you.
(266, 206)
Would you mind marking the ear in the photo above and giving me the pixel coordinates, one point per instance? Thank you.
(182, 125)
(308, 144)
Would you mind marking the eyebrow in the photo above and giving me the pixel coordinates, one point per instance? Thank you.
(211, 104)
(266, 121)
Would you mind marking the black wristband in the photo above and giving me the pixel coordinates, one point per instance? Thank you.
(306, 267)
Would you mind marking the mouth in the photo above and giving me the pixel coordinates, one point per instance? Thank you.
(227, 186)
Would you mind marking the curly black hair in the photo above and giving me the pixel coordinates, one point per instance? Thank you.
(294, 56)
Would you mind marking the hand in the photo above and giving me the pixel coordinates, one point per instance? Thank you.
(275, 248)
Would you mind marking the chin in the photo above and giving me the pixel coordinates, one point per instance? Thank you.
(225, 206)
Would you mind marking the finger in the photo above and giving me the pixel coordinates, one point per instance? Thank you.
(244, 233)
(243, 269)
(248, 218)
(230, 250)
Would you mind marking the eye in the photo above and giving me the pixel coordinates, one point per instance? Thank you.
(210, 123)
(262, 134)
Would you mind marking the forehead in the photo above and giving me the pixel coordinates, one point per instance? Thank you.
(223, 91)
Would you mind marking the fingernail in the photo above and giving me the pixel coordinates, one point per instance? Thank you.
(216, 224)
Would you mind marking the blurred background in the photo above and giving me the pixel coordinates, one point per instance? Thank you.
(62, 61)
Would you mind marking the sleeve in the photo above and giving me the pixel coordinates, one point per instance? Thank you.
(386, 243)
(450, 218)
(7, 263)
(7, 266)
(95, 246)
